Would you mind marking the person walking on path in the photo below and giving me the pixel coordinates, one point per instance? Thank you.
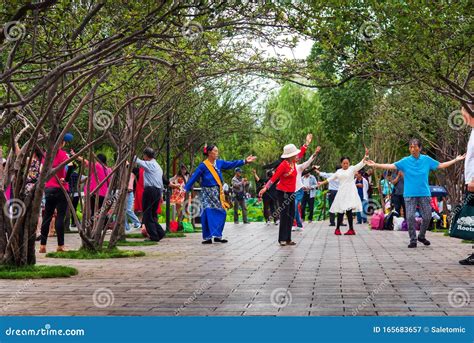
(239, 185)
(416, 169)
(347, 199)
(152, 192)
(212, 196)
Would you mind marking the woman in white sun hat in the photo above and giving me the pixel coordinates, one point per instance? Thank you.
(286, 172)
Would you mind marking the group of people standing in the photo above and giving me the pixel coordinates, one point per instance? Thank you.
(287, 185)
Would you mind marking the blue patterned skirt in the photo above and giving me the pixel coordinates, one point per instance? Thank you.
(213, 215)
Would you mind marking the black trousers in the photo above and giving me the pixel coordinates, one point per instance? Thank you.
(332, 216)
(75, 202)
(55, 200)
(307, 200)
(287, 215)
(269, 208)
(398, 202)
(350, 219)
(151, 199)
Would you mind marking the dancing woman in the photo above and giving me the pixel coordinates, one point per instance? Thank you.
(347, 198)
(287, 174)
(416, 169)
(212, 194)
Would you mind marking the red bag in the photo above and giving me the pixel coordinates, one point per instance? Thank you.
(174, 226)
(377, 220)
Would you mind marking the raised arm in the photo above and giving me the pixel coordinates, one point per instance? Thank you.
(390, 166)
(141, 163)
(450, 163)
(236, 163)
(303, 166)
(362, 163)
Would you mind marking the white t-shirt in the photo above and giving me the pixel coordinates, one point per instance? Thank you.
(469, 161)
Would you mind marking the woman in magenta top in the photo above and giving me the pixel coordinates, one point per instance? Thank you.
(98, 171)
(286, 172)
(56, 199)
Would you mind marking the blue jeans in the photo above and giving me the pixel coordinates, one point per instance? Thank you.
(362, 216)
(130, 214)
(298, 199)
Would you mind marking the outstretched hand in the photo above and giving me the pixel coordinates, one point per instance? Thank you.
(263, 190)
(309, 138)
(366, 153)
(460, 157)
(318, 149)
(370, 163)
(250, 159)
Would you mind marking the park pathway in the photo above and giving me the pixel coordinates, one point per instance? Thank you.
(372, 273)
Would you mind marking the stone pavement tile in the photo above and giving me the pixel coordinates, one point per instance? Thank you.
(324, 274)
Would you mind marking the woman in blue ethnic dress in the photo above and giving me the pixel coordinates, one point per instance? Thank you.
(212, 196)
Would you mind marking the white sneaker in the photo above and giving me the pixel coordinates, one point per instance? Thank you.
(293, 229)
(267, 223)
(277, 222)
(299, 229)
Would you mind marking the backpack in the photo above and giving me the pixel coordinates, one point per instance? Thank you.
(388, 221)
(377, 221)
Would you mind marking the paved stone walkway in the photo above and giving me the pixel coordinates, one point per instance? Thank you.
(372, 273)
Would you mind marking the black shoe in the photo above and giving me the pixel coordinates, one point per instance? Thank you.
(412, 245)
(332, 224)
(343, 224)
(246, 222)
(209, 241)
(424, 241)
(236, 222)
(220, 240)
(468, 261)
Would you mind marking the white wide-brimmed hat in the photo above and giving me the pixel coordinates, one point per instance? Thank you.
(290, 150)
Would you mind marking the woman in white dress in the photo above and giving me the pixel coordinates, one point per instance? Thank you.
(347, 198)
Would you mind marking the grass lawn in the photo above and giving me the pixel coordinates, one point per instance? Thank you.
(36, 272)
(132, 243)
(83, 254)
